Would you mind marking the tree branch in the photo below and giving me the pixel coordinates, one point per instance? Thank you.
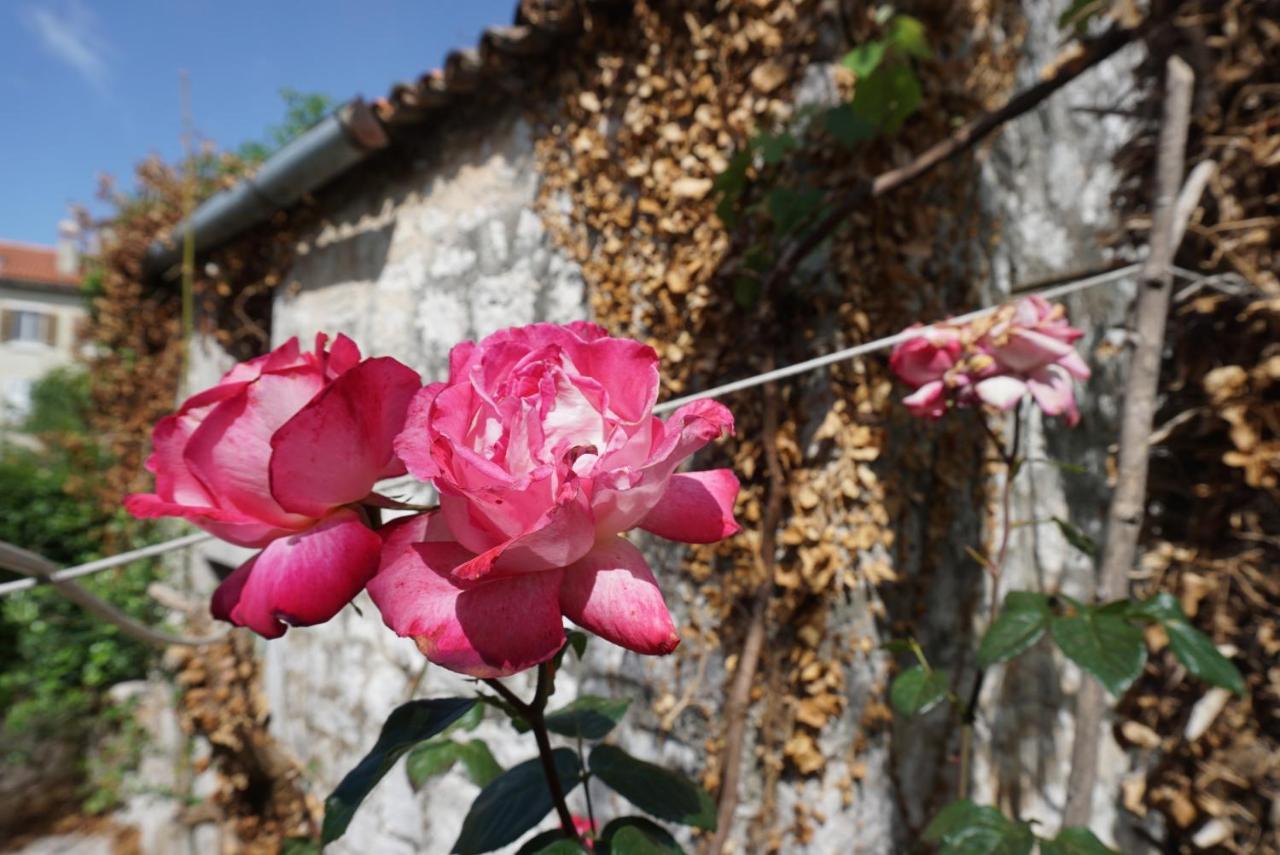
(1092, 52)
(1124, 518)
(739, 701)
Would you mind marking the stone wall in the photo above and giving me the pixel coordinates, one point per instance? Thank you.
(447, 246)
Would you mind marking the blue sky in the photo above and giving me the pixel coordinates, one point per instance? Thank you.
(92, 86)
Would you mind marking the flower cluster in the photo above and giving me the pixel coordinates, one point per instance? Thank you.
(542, 445)
(1026, 347)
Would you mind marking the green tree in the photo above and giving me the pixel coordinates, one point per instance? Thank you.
(302, 111)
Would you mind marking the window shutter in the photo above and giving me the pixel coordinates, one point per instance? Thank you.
(7, 320)
(50, 329)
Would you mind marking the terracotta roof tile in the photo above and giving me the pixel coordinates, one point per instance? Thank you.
(24, 262)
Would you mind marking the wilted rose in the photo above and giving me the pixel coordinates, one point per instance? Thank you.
(1026, 347)
(275, 455)
(544, 449)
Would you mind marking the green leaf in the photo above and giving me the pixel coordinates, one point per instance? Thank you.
(407, 725)
(470, 721)
(865, 58)
(513, 803)
(964, 828)
(847, 126)
(1020, 624)
(299, 846)
(478, 760)
(1198, 653)
(635, 835)
(1104, 644)
(907, 34)
(904, 96)
(730, 185)
(899, 645)
(578, 641)
(1075, 841)
(553, 842)
(773, 148)
(589, 716)
(918, 690)
(429, 759)
(1076, 537)
(1163, 607)
(1195, 650)
(790, 207)
(665, 794)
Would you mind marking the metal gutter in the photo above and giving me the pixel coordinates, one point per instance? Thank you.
(343, 139)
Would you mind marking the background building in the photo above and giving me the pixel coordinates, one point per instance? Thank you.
(41, 311)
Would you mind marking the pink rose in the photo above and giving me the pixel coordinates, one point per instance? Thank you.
(275, 456)
(544, 449)
(923, 362)
(1031, 346)
(1025, 347)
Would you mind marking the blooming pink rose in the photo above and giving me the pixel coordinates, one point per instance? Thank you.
(544, 449)
(1031, 345)
(1025, 347)
(923, 362)
(274, 456)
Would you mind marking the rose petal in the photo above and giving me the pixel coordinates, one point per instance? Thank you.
(611, 592)
(231, 450)
(493, 628)
(621, 499)
(929, 401)
(563, 535)
(697, 507)
(1001, 391)
(231, 526)
(301, 580)
(1051, 387)
(334, 449)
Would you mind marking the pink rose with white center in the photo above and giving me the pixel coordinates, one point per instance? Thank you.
(1026, 347)
(544, 449)
(277, 455)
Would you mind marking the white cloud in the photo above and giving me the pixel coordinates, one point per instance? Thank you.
(69, 32)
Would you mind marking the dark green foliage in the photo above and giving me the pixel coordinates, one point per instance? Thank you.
(964, 828)
(1020, 624)
(407, 725)
(665, 794)
(514, 803)
(60, 403)
(918, 689)
(589, 716)
(635, 835)
(1103, 643)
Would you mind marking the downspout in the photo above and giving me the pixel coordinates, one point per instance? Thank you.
(341, 140)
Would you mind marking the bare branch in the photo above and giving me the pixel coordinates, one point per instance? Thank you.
(1124, 519)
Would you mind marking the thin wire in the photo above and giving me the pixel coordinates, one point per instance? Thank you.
(666, 406)
(883, 343)
(101, 564)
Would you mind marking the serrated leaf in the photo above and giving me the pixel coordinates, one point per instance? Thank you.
(907, 34)
(479, 762)
(964, 828)
(865, 58)
(918, 689)
(635, 835)
(513, 803)
(1075, 841)
(1020, 624)
(1197, 652)
(665, 794)
(1104, 644)
(590, 717)
(407, 725)
(428, 760)
(1076, 537)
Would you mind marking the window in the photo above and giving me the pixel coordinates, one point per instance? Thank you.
(29, 325)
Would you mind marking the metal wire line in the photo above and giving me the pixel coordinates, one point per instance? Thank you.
(666, 406)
